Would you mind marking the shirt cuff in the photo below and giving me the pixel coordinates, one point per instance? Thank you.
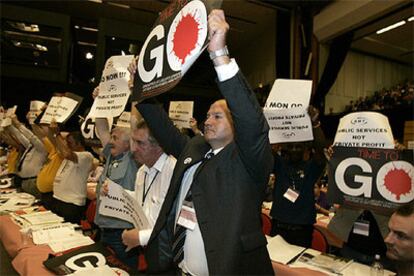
(227, 71)
(144, 236)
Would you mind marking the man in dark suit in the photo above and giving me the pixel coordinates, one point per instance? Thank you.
(217, 201)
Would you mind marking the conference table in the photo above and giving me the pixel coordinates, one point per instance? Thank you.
(27, 257)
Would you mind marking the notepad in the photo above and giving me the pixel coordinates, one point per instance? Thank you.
(281, 251)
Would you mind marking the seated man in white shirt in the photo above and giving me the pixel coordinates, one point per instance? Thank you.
(69, 187)
(152, 181)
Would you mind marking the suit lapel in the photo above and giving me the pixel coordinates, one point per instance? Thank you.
(191, 155)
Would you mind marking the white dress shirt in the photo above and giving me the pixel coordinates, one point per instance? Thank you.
(156, 181)
(195, 260)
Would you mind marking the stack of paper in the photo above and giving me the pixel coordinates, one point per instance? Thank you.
(15, 201)
(74, 240)
(46, 217)
(282, 251)
(327, 263)
(45, 235)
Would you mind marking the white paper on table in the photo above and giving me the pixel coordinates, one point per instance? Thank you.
(281, 251)
(119, 204)
(73, 241)
(17, 201)
(357, 269)
(45, 217)
(103, 270)
(56, 233)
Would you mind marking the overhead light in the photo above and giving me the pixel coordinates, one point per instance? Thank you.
(410, 19)
(83, 43)
(76, 27)
(33, 28)
(96, 1)
(41, 47)
(89, 29)
(89, 55)
(113, 38)
(393, 26)
(29, 45)
(118, 5)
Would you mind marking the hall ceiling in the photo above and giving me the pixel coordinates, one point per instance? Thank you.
(246, 17)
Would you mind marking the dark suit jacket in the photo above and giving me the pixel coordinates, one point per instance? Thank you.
(227, 192)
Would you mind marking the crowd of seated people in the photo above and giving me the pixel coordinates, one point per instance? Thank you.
(399, 95)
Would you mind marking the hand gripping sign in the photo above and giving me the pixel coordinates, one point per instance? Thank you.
(174, 44)
(61, 108)
(113, 88)
(35, 110)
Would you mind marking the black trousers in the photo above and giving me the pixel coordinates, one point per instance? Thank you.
(70, 212)
(293, 233)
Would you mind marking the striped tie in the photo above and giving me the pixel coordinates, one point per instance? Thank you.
(178, 245)
(181, 231)
(179, 238)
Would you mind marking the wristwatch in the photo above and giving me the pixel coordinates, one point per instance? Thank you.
(221, 52)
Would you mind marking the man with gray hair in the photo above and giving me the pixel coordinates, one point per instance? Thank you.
(121, 168)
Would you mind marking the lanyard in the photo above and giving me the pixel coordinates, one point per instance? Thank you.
(114, 164)
(145, 193)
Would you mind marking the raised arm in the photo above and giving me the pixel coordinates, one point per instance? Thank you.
(135, 116)
(319, 141)
(250, 125)
(164, 131)
(101, 124)
(169, 137)
(102, 128)
(60, 143)
(14, 132)
(8, 138)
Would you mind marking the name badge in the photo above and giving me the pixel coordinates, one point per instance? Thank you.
(291, 195)
(361, 227)
(187, 218)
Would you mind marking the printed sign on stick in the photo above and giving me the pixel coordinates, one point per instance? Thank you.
(286, 111)
(180, 112)
(176, 41)
(113, 88)
(371, 178)
(61, 108)
(364, 129)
